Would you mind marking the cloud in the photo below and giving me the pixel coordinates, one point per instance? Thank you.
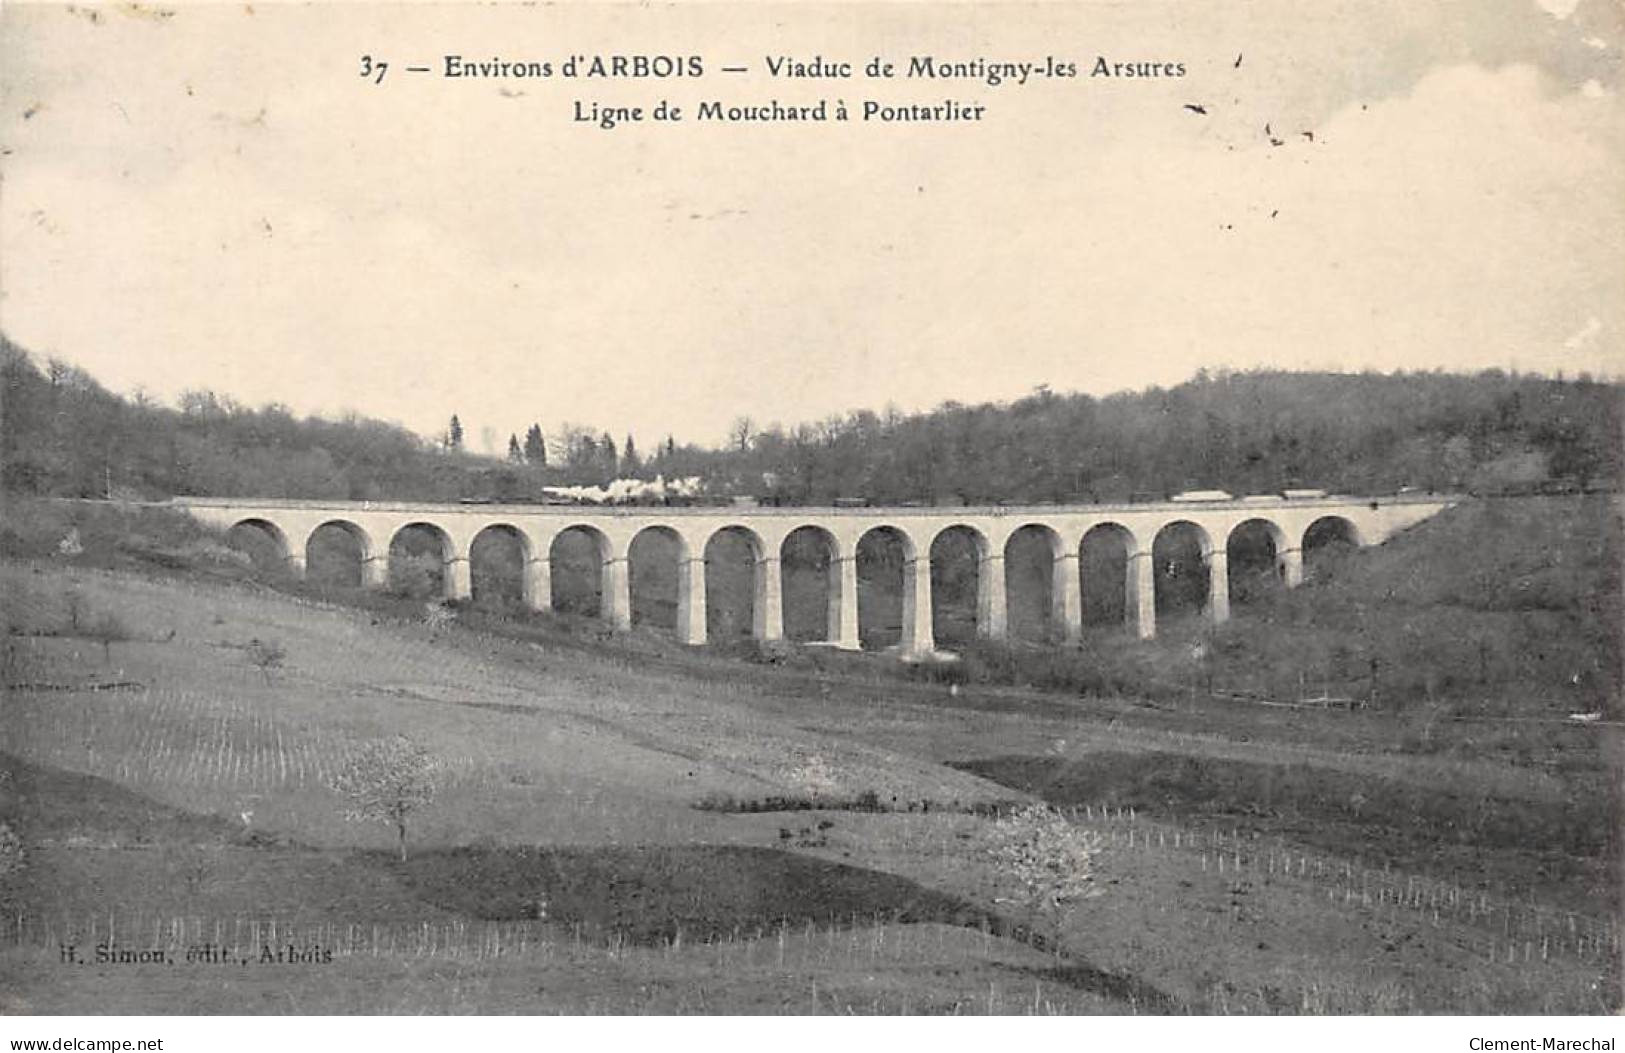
(1585, 335)
(1558, 8)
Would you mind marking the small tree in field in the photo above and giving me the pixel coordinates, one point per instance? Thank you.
(387, 780)
(268, 655)
(107, 630)
(1048, 860)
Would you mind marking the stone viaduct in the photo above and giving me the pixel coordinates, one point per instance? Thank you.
(374, 524)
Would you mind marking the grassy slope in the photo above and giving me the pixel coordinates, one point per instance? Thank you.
(589, 753)
(588, 760)
(1494, 608)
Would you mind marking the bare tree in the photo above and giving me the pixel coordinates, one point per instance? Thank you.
(387, 780)
(107, 629)
(268, 655)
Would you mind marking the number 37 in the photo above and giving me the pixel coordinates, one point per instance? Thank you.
(375, 70)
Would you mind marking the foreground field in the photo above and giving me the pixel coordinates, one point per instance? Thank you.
(619, 832)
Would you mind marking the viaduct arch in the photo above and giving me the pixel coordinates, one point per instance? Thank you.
(1134, 527)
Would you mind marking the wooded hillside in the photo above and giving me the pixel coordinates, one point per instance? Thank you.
(62, 433)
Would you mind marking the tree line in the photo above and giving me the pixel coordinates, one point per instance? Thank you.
(1252, 432)
(63, 434)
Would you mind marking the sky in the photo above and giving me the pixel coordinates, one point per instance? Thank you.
(213, 197)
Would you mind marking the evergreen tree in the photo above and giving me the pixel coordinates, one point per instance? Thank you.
(609, 459)
(580, 454)
(454, 435)
(515, 454)
(535, 447)
(631, 464)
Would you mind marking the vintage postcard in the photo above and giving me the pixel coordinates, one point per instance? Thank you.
(822, 509)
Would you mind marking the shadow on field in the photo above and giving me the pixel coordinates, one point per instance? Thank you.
(1135, 993)
(650, 894)
(47, 804)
